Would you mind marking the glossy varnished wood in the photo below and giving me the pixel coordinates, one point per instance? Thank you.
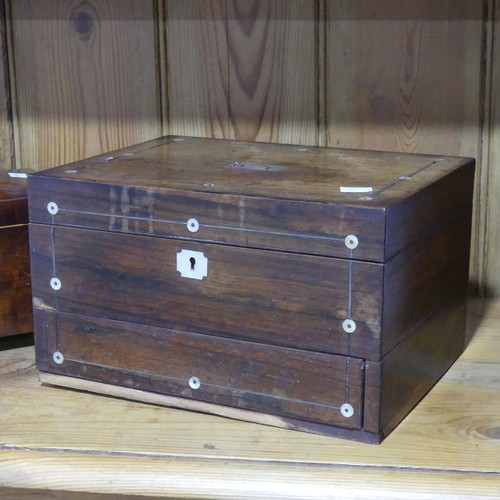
(266, 379)
(250, 194)
(15, 280)
(447, 447)
(296, 257)
(269, 297)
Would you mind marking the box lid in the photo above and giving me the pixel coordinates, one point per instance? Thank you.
(364, 205)
(13, 199)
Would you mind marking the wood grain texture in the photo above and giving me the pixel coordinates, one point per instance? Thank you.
(126, 316)
(254, 295)
(70, 440)
(15, 280)
(273, 78)
(408, 76)
(197, 85)
(243, 375)
(6, 137)
(85, 78)
(232, 69)
(405, 75)
(490, 203)
(250, 194)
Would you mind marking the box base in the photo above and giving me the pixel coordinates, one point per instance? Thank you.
(204, 407)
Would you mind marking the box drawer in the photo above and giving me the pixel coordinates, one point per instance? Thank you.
(275, 380)
(270, 297)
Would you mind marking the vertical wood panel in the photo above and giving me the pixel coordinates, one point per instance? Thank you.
(85, 75)
(6, 145)
(492, 176)
(407, 76)
(197, 68)
(273, 70)
(243, 69)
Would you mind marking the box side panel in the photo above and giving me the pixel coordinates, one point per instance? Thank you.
(411, 370)
(271, 297)
(13, 200)
(425, 292)
(255, 222)
(15, 281)
(412, 217)
(425, 277)
(274, 380)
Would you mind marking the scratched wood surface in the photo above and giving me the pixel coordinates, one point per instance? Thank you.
(59, 439)
(83, 84)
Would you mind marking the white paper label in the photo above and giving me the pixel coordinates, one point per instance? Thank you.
(356, 189)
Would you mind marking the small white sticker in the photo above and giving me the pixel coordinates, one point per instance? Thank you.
(18, 175)
(356, 189)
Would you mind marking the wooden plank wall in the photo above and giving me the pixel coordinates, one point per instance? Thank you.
(490, 193)
(87, 76)
(6, 142)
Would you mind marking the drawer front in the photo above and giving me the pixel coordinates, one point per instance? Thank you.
(308, 302)
(281, 381)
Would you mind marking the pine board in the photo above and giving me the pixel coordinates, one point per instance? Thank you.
(6, 139)
(244, 70)
(407, 76)
(491, 178)
(85, 78)
(273, 78)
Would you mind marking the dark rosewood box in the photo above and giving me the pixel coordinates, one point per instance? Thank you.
(315, 289)
(15, 283)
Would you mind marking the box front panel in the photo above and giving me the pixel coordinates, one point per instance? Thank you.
(253, 222)
(287, 382)
(314, 303)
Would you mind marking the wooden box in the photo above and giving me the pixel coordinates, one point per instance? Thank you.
(315, 289)
(15, 283)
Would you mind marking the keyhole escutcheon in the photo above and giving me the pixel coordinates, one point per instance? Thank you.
(192, 264)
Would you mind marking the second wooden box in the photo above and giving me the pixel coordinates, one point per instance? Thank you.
(15, 282)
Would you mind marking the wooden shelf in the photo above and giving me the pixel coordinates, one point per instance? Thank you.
(57, 439)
